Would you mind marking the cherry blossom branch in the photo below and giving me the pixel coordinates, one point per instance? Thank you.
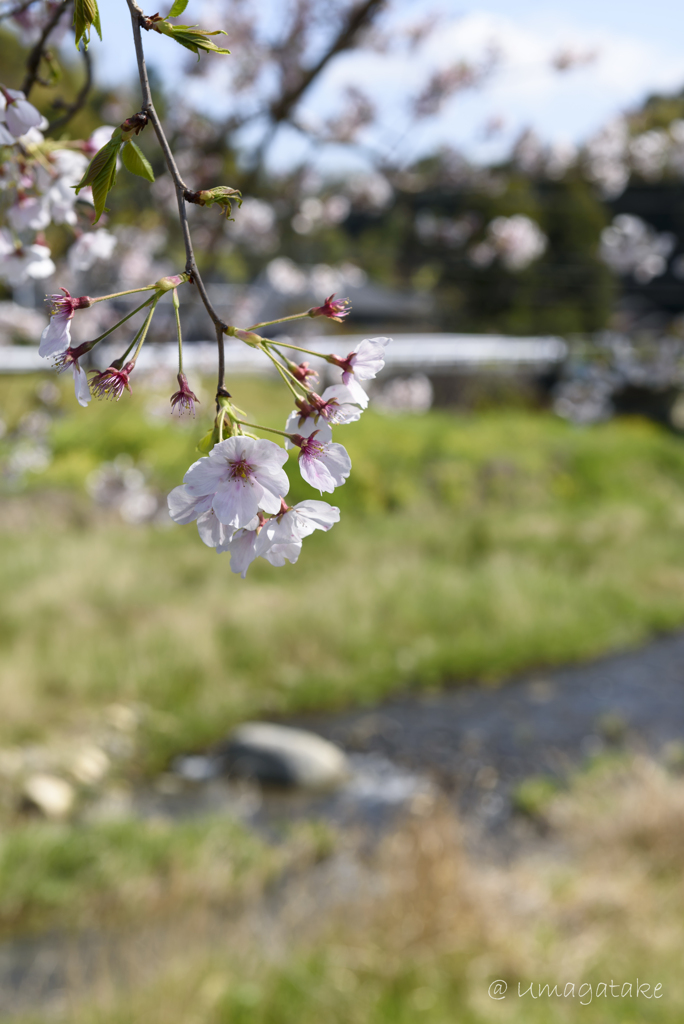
(148, 108)
(37, 53)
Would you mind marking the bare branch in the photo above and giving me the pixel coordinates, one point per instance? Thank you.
(359, 18)
(148, 108)
(38, 51)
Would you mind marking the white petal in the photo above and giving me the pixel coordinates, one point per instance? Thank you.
(360, 396)
(236, 502)
(81, 387)
(338, 462)
(319, 513)
(205, 475)
(242, 551)
(56, 337)
(184, 507)
(279, 553)
(211, 531)
(316, 473)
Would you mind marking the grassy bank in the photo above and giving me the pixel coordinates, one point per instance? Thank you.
(468, 549)
(444, 927)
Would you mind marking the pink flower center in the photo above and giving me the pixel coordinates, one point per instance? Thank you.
(310, 447)
(241, 469)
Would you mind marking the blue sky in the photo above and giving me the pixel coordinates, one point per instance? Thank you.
(639, 48)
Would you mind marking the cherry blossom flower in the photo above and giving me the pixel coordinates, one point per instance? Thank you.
(29, 213)
(110, 383)
(70, 358)
(90, 247)
(184, 398)
(19, 114)
(337, 405)
(367, 359)
(19, 263)
(242, 475)
(303, 373)
(323, 464)
(336, 310)
(294, 523)
(56, 337)
(242, 545)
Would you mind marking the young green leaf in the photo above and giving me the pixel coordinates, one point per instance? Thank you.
(178, 8)
(191, 37)
(86, 13)
(101, 158)
(103, 183)
(135, 161)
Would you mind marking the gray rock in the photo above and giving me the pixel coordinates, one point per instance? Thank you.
(279, 754)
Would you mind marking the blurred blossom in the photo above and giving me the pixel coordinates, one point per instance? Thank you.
(529, 153)
(28, 457)
(255, 225)
(22, 263)
(405, 395)
(29, 213)
(136, 262)
(449, 231)
(516, 240)
(90, 247)
(631, 246)
(606, 158)
(286, 277)
(123, 486)
(649, 153)
(315, 213)
(559, 158)
(19, 324)
(372, 191)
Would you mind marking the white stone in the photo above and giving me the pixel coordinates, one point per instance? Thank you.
(90, 765)
(50, 794)
(280, 754)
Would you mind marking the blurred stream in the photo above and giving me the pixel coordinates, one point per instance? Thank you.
(472, 745)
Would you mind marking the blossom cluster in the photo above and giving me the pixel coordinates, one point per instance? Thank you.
(37, 176)
(236, 492)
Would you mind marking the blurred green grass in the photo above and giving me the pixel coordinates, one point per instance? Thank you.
(469, 549)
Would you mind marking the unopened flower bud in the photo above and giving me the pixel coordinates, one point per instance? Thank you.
(249, 337)
(167, 284)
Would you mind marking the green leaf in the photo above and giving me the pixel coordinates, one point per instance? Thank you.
(191, 37)
(103, 183)
(178, 8)
(208, 441)
(86, 13)
(100, 160)
(135, 161)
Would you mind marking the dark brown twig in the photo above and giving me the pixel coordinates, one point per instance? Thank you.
(71, 109)
(37, 53)
(148, 108)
